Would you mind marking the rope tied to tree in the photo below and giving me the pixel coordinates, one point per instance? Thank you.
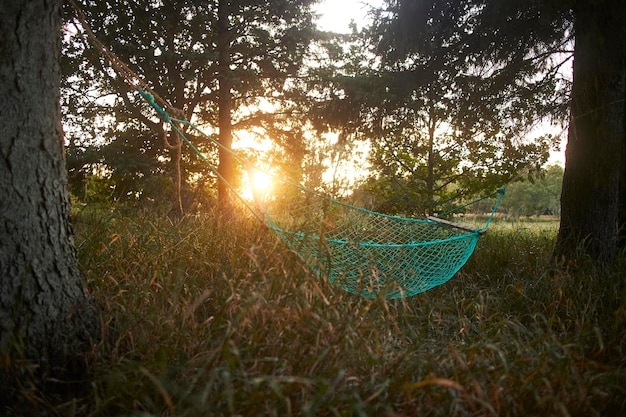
(135, 81)
(128, 75)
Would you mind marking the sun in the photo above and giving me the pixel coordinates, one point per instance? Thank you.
(261, 182)
(256, 184)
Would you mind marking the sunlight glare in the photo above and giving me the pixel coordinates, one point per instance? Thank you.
(260, 185)
(261, 182)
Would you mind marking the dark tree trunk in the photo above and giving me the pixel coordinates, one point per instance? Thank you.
(622, 183)
(225, 168)
(46, 315)
(430, 176)
(590, 193)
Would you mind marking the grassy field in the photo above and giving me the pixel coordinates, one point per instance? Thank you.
(208, 318)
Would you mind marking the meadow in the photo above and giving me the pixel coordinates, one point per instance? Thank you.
(217, 318)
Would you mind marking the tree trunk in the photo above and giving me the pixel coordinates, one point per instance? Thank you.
(622, 183)
(46, 315)
(225, 168)
(590, 194)
(430, 176)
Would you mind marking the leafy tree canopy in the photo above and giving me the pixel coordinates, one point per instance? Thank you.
(174, 46)
(535, 196)
(449, 108)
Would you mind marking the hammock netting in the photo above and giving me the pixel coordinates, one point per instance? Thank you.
(363, 252)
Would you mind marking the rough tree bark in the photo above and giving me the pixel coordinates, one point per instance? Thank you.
(590, 195)
(622, 181)
(46, 315)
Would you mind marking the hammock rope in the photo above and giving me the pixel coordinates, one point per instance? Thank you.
(363, 252)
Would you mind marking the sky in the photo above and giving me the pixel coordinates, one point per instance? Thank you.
(335, 15)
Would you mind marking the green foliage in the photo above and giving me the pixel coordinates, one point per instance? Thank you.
(210, 317)
(446, 115)
(172, 46)
(535, 196)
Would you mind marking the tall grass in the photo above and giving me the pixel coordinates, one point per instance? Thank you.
(209, 318)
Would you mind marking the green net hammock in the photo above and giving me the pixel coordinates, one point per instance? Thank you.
(363, 252)
(369, 253)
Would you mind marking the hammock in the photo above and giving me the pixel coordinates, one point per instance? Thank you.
(368, 253)
(363, 252)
